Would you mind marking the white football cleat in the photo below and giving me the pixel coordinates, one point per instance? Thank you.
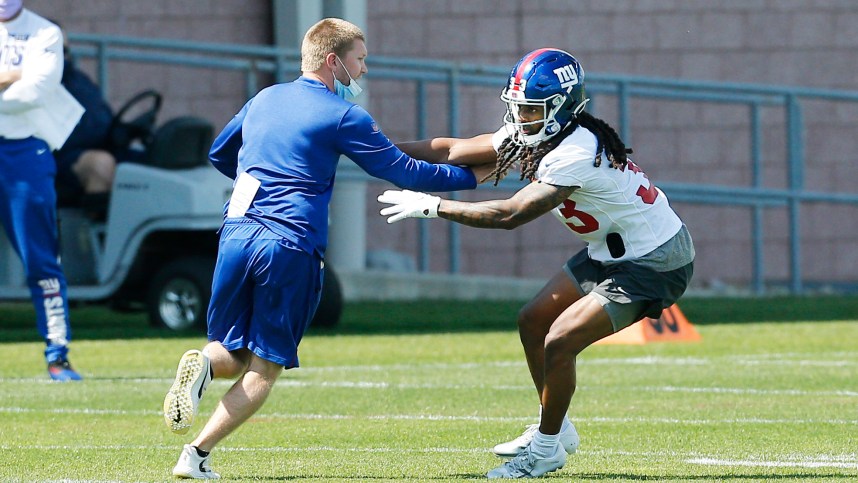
(528, 465)
(192, 465)
(568, 439)
(192, 378)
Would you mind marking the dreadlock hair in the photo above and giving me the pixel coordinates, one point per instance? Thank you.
(607, 140)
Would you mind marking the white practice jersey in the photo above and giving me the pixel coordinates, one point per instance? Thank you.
(36, 105)
(607, 200)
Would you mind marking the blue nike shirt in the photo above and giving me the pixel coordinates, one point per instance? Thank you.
(290, 137)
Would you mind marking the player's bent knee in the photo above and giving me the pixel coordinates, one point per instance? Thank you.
(558, 355)
(529, 321)
(225, 364)
(566, 344)
(267, 370)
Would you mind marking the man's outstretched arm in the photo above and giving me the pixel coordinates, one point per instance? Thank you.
(460, 151)
(527, 204)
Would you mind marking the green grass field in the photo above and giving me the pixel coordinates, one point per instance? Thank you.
(422, 391)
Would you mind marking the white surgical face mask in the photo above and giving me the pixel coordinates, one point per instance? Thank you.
(347, 92)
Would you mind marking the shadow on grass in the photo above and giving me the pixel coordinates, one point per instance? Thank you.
(17, 320)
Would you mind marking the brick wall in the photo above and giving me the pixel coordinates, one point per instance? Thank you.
(211, 94)
(810, 43)
(805, 43)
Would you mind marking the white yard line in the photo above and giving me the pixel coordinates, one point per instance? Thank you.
(69, 481)
(293, 382)
(787, 461)
(807, 463)
(841, 360)
(832, 359)
(735, 390)
(437, 417)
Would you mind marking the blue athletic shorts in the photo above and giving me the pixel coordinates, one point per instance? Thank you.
(264, 294)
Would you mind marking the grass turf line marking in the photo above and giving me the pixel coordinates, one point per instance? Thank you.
(731, 390)
(69, 481)
(780, 359)
(387, 385)
(122, 447)
(435, 417)
(691, 457)
(749, 360)
(772, 464)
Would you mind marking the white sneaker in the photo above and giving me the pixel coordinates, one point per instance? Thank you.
(528, 465)
(192, 378)
(568, 439)
(192, 465)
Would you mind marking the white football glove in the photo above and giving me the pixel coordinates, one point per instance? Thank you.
(409, 204)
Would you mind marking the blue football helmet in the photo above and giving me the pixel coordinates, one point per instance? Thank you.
(550, 79)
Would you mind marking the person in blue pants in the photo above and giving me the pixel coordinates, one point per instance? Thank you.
(31, 64)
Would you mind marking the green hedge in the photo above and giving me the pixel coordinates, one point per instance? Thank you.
(97, 322)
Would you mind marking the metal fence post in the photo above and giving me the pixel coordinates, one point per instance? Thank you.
(455, 235)
(758, 274)
(423, 233)
(623, 106)
(103, 72)
(795, 144)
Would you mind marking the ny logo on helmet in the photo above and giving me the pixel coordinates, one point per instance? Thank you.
(567, 76)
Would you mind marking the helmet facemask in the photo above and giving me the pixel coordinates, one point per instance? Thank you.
(531, 133)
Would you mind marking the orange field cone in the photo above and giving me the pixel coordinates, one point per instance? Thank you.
(671, 326)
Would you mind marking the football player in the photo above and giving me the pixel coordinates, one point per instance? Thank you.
(639, 255)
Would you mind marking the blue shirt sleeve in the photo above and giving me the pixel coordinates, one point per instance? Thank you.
(224, 151)
(363, 142)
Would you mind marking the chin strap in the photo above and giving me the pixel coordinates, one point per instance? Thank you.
(580, 107)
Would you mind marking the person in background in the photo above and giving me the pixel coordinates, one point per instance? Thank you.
(36, 116)
(282, 150)
(85, 163)
(639, 257)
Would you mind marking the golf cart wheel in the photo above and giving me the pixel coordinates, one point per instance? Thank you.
(179, 295)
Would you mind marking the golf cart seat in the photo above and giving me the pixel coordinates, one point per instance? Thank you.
(180, 143)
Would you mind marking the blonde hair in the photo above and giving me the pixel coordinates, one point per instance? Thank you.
(327, 35)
